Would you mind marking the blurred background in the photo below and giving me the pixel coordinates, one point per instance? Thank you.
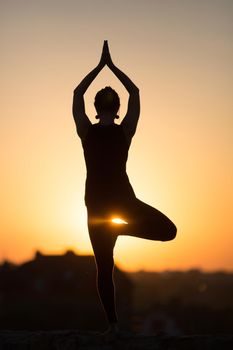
(59, 292)
(179, 53)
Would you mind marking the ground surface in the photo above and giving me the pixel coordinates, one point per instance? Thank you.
(76, 340)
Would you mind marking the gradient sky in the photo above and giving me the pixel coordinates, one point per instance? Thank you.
(180, 54)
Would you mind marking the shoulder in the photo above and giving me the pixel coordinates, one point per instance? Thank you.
(128, 135)
(123, 135)
(92, 131)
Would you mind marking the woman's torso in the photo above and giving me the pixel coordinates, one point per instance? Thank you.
(106, 152)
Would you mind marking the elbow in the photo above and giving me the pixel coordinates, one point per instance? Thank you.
(134, 91)
(78, 90)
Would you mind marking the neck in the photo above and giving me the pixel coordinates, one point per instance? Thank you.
(106, 120)
(101, 122)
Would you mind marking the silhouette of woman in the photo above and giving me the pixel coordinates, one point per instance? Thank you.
(108, 191)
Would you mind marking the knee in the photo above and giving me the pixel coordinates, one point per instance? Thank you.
(170, 232)
(173, 232)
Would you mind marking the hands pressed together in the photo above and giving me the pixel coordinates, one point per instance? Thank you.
(105, 56)
(133, 111)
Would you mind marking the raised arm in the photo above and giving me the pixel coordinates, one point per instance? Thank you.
(81, 120)
(130, 120)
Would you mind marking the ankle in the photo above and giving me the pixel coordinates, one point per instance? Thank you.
(114, 327)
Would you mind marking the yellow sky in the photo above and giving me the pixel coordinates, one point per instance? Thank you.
(180, 54)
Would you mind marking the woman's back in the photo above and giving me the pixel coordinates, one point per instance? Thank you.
(106, 152)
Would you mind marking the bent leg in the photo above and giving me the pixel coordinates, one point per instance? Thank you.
(103, 244)
(146, 222)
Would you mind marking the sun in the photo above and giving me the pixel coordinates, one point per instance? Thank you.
(119, 221)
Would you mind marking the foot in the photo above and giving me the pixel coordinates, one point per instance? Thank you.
(111, 333)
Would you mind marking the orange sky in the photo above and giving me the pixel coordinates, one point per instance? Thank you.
(180, 54)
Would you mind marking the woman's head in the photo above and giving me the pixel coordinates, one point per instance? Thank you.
(107, 101)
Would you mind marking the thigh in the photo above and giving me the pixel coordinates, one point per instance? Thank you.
(144, 221)
(103, 240)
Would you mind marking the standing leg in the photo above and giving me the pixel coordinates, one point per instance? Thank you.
(103, 243)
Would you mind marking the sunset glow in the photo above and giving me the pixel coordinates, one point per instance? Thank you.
(119, 221)
(179, 54)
